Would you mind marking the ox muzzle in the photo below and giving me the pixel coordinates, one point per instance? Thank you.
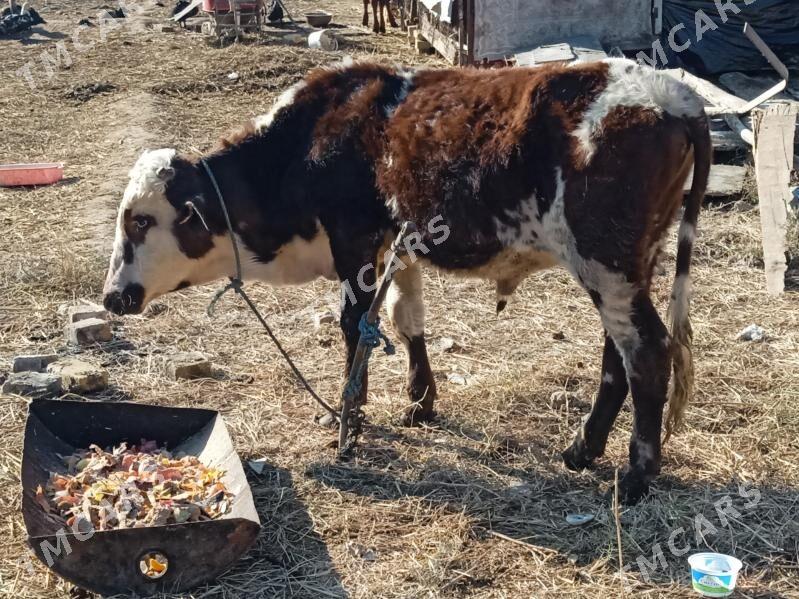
(130, 300)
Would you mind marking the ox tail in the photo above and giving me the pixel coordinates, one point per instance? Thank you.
(682, 382)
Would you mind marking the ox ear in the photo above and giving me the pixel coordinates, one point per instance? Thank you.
(189, 211)
(165, 173)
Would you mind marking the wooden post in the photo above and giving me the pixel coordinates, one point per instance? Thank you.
(470, 31)
(461, 16)
(774, 132)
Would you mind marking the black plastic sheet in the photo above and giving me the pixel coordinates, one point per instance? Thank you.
(723, 46)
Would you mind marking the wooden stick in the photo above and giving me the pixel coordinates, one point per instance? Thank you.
(349, 403)
(617, 519)
(470, 45)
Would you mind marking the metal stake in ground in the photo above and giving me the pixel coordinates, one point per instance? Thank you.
(351, 412)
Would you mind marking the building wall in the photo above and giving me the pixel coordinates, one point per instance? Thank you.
(503, 27)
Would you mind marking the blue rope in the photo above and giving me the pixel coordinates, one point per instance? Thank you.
(371, 335)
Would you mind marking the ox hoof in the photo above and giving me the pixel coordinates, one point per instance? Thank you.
(577, 457)
(633, 487)
(326, 420)
(416, 415)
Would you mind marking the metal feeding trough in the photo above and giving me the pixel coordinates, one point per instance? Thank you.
(110, 562)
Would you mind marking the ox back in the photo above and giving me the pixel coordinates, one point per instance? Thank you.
(504, 172)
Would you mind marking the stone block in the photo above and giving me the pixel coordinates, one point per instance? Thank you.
(87, 332)
(33, 384)
(78, 376)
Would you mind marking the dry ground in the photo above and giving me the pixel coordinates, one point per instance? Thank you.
(473, 507)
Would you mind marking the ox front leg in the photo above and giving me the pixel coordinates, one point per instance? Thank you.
(591, 438)
(376, 16)
(354, 257)
(391, 20)
(366, 13)
(405, 305)
(643, 342)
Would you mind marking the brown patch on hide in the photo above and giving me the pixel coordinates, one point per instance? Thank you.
(359, 112)
(134, 233)
(647, 155)
(479, 121)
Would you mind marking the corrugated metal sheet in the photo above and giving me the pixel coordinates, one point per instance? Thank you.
(504, 27)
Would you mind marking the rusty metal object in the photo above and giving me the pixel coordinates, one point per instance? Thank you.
(108, 562)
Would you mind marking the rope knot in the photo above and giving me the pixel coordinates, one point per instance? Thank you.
(372, 336)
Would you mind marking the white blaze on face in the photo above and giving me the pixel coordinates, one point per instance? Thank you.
(157, 263)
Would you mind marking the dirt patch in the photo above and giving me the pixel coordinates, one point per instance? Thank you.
(128, 129)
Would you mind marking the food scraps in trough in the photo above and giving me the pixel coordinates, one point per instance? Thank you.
(134, 487)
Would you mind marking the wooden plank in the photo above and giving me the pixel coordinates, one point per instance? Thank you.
(448, 48)
(543, 54)
(774, 134)
(727, 141)
(725, 180)
(587, 49)
(580, 48)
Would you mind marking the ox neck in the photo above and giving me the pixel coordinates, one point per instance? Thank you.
(249, 174)
(238, 278)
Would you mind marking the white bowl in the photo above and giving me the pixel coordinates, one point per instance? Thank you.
(714, 574)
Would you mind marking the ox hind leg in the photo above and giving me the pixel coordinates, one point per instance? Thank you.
(591, 438)
(405, 306)
(648, 367)
(376, 17)
(642, 342)
(391, 20)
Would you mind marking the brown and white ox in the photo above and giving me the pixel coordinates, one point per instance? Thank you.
(505, 172)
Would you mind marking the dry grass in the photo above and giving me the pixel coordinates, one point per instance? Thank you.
(473, 507)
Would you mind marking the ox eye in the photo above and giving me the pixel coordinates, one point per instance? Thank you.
(142, 222)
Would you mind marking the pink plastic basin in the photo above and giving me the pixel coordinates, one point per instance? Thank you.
(43, 173)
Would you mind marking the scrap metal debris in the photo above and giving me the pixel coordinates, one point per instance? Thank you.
(21, 19)
(134, 487)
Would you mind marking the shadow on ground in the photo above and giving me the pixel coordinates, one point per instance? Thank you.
(761, 525)
(289, 558)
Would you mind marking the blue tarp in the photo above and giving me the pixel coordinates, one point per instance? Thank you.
(723, 46)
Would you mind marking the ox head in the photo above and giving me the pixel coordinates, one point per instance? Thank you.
(162, 240)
